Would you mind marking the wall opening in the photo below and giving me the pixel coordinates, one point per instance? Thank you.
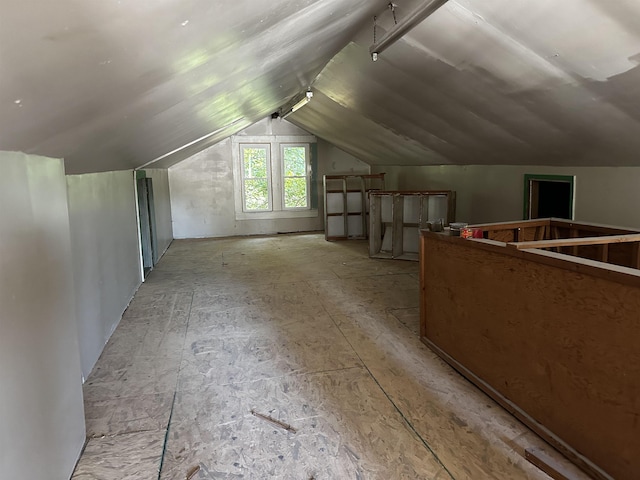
(549, 196)
(146, 213)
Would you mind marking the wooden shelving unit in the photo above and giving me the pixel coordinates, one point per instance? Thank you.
(396, 218)
(346, 204)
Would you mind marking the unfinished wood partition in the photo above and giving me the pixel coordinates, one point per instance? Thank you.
(603, 243)
(396, 217)
(346, 204)
(552, 337)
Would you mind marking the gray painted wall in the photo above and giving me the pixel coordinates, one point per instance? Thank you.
(41, 410)
(202, 188)
(162, 203)
(106, 256)
(608, 195)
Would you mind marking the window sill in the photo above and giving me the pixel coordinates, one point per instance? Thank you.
(276, 214)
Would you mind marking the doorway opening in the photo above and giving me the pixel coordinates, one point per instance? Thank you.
(147, 218)
(549, 196)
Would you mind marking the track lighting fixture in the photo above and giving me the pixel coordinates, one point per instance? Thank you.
(301, 103)
(400, 29)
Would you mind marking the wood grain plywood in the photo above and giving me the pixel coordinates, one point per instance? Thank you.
(560, 344)
(502, 236)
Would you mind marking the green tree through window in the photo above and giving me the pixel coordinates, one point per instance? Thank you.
(272, 179)
(296, 184)
(255, 166)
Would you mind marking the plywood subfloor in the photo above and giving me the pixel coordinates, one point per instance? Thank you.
(310, 333)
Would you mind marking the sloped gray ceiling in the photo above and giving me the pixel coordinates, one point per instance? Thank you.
(491, 82)
(120, 83)
(115, 84)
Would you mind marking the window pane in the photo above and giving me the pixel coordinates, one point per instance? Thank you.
(295, 192)
(255, 162)
(256, 194)
(295, 164)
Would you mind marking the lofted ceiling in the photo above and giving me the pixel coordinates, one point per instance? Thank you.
(118, 84)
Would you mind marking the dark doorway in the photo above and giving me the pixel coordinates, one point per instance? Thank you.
(146, 213)
(549, 196)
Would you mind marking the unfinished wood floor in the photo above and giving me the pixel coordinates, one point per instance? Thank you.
(313, 334)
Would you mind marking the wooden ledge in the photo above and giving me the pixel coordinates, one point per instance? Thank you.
(576, 241)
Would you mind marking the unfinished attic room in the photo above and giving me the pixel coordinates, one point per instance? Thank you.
(320, 240)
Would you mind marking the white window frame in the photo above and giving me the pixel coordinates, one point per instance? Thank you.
(307, 167)
(277, 178)
(267, 148)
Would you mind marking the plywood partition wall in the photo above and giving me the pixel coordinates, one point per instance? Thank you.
(553, 338)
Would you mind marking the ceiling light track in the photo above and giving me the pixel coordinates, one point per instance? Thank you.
(400, 29)
(308, 95)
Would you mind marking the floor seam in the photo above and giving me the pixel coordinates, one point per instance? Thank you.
(406, 420)
(389, 311)
(175, 392)
(122, 434)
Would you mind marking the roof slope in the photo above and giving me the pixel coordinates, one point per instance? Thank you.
(119, 84)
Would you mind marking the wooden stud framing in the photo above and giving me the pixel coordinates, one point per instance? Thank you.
(397, 234)
(398, 226)
(564, 236)
(349, 186)
(573, 233)
(635, 260)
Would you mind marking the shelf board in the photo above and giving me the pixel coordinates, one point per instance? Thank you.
(340, 214)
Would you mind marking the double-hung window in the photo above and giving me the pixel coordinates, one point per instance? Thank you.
(256, 177)
(273, 177)
(296, 173)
